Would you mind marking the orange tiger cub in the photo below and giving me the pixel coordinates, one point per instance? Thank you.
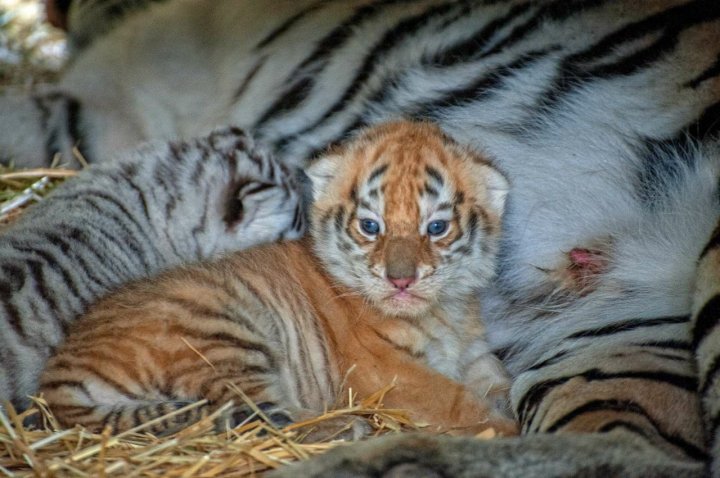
(405, 227)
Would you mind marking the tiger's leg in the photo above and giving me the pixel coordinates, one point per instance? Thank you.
(706, 340)
(124, 379)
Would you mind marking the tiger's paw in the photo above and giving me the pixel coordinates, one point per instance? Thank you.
(314, 429)
(502, 426)
(236, 416)
(493, 427)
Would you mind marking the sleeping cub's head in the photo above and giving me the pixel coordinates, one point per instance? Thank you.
(406, 217)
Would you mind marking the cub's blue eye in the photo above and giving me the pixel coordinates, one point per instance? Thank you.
(436, 228)
(369, 226)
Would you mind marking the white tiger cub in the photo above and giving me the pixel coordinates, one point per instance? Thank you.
(164, 205)
(602, 112)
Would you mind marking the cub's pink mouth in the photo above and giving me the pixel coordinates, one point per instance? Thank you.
(405, 297)
(404, 303)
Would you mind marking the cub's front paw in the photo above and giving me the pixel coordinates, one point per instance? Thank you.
(239, 415)
(313, 429)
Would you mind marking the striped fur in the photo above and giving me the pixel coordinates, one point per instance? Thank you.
(89, 20)
(163, 205)
(603, 113)
(706, 340)
(290, 324)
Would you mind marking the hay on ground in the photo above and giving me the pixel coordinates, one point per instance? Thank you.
(21, 188)
(248, 450)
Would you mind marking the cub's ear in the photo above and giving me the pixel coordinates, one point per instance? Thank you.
(490, 179)
(498, 188)
(322, 171)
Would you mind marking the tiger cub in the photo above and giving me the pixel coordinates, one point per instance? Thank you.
(405, 227)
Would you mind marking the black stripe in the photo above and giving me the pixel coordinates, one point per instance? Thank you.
(232, 339)
(707, 126)
(711, 428)
(45, 294)
(435, 174)
(60, 240)
(297, 221)
(549, 361)
(116, 417)
(627, 427)
(671, 22)
(405, 28)
(709, 73)
(233, 365)
(52, 384)
(287, 24)
(402, 348)
(707, 377)
(628, 325)
(538, 392)
(627, 406)
(99, 374)
(88, 268)
(51, 262)
(122, 267)
(598, 406)
(556, 11)
(132, 240)
(192, 178)
(233, 316)
(479, 88)
(321, 338)
(339, 218)
(162, 171)
(201, 226)
(377, 172)
(431, 191)
(470, 48)
(136, 418)
(472, 226)
(14, 280)
(574, 72)
(706, 320)
(665, 344)
(90, 199)
(128, 174)
(15, 318)
(301, 78)
(245, 83)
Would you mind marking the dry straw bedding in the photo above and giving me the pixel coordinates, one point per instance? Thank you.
(196, 451)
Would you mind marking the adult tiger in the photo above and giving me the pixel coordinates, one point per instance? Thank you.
(602, 112)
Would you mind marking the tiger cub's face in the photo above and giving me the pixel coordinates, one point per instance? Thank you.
(406, 217)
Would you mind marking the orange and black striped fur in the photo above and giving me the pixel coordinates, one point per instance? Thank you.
(405, 227)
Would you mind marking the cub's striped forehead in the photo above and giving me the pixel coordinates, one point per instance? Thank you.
(410, 166)
(401, 174)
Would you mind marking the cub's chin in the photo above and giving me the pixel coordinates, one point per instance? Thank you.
(404, 305)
